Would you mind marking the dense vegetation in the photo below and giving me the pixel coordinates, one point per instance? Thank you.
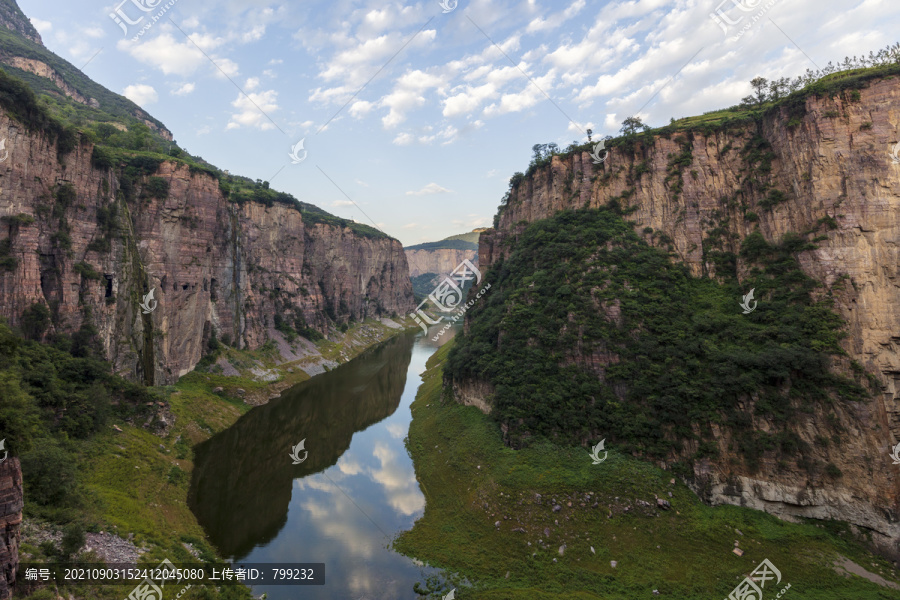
(445, 245)
(472, 483)
(583, 284)
(52, 394)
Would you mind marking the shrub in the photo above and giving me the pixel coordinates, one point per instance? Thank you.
(157, 187)
(49, 473)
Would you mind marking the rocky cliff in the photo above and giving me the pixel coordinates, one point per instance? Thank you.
(439, 260)
(822, 165)
(10, 518)
(90, 244)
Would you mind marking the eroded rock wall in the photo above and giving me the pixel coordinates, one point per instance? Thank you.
(215, 267)
(833, 162)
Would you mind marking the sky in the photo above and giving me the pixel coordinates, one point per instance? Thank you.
(414, 115)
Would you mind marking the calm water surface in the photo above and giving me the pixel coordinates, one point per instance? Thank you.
(355, 491)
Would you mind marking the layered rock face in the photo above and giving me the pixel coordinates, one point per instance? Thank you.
(833, 162)
(11, 502)
(214, 267)
(439, 260)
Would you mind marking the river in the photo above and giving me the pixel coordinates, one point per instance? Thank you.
(355, 490)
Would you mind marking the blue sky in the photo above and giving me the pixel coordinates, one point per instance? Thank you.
(451, 102)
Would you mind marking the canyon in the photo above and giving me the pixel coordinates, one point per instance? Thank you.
(216, 268)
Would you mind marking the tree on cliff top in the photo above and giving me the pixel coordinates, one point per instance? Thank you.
(632, 125)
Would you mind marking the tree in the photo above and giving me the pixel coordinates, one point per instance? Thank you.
(779, 88)
(35, 320)
(49, 473)
(759, 85)
(589, 132)
(632, 125)
(552, 148)
(72, 541)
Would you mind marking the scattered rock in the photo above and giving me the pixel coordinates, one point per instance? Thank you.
(562, 550)
(670, 494)
(240, 391)
(546, 532)
(519, 530)
(736, 544)
(557, 508)
(554, 560)
(738, 531)
(218, 389)
(592, 550)
(497, 524)
(672, 481)
(656, 592)
(117, 428)
(613, 564)
(507, 575)
(663, 504)
(738, 551)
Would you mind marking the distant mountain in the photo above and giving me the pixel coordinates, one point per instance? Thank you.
(430, 262)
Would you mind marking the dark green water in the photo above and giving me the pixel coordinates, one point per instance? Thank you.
(342, 506)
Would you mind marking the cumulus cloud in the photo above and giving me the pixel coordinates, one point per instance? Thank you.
(141, 94)
(185, 89)
(253, 110)
(431, 188)
(43, 27)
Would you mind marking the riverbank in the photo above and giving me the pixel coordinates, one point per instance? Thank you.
(135, 476)
(544, 523)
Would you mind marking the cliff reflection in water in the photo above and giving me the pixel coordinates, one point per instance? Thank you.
(242, 479)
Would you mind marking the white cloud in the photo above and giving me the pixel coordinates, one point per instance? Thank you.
(360, 108)
(226, 68)
(184, 90)
(404, 139)
(253, 110)
(43, 27)
(251, 84)
(165, 53)
(557, 19)
(431, 188)
(340, 203)
(141, 94)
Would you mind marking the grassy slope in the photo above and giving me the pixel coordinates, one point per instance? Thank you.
(684, 552)
(137, 482)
